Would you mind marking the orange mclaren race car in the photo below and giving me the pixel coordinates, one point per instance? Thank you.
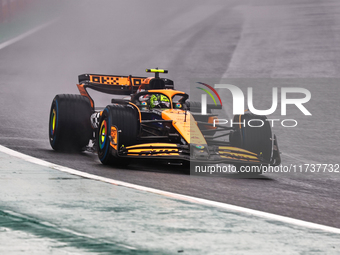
(156, 121)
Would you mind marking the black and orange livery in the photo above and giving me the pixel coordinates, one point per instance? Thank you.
(114, 84)
(154, 121)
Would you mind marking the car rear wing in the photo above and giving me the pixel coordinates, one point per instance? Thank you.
(113, 84)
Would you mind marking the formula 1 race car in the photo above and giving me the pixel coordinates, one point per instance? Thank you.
(155, 121)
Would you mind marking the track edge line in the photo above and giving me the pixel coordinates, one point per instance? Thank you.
(186, 198)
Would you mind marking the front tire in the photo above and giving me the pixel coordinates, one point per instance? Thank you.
(257, 139)
(125, 118)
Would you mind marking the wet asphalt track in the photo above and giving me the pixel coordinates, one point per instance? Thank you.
(193, 39)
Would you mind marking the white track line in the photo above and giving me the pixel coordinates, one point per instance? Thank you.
(229, 207)
(26, 34)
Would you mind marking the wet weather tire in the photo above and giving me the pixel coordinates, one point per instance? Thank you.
(254, 136)
(69, 125)
(125, 118)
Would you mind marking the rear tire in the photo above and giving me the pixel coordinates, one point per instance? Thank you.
(125, 118)
(70, 126)
(254, 139)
